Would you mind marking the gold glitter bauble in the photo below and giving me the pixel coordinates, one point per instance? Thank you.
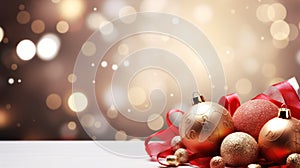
(204, 126)
(293, 160)
(172, 160)
(182, 155)
(217, 162)
(279, 137)
(239, 149)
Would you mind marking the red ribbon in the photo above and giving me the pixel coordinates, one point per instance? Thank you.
(280, 94)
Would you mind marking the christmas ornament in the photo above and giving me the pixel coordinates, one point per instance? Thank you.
(182, 155)
(280, 137)
(251, 116)
(254, 166)
(172, 160)
(239, 149)
(293, 160)
(204, 126)
(176, 143)
(217, 162)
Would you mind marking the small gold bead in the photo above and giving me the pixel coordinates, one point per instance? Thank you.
(172, 160)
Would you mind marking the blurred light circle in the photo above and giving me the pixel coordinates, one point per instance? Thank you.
(88, 48)
(71, 9)
(127, 14)
(112, 112)
(23, 17)
(14, 67)
(243, 86)
(11, 81)
(62, 27)
(155, 122)
(104, 64)
(87, 120)
(203, 13)
(114, 67)
(137, 96)
(55, 1)
(106, 28)
(120, 135)
(262, 13)
(38, 26)
(280, 30)
(72, 78)
(77, 102)
(53, 101)
(48, 47)
(293, 32)
(123, 49)
(94, 20)
(153, 6)
(21, 7)
(1, 33)
(72, 125)
(276, 11)
(26, 50)
(280, 44)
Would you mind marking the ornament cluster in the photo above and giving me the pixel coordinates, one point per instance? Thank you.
(258, 134)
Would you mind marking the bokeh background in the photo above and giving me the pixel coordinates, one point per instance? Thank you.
(257, 42)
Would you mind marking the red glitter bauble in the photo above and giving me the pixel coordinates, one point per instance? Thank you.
(251, 116)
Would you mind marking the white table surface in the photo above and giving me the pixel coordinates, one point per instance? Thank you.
(71, 154)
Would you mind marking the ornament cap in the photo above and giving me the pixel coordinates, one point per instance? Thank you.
(284, 113)
(197, 98)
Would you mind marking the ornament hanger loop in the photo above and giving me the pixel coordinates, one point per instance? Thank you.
(197, 98)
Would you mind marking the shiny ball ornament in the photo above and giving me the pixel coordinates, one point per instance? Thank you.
(172, 160)
(293, 160)
(204, 126)
(280, 137)
(176, 143)
(217, 162)
(251, 116)
(182, 155)
(239, 149)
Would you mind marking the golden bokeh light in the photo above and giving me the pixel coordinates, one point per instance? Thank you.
(280, 44)
(106, 27)
(294, 32)
(72, 125)
(97, 124)
(120, 135)
(123, 49)
(13, 67)
(112, 112)
(4, 118)
(276, 11)
(38, 26)
(155, 122)
(23, 17)
(71, 9)
(11, 81)
(94, 20)
(280, 30)
(126, 11)
(243, 86)
(21, 7)
(77, 102)
(53, 101)
(62, 27)
(26, 50)
(137, 96)
(72, 78)
(203, 13)
(88, 48)
(5, 40)
(262, 13)
(1, 33)
(48, 47)
(87, 120)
